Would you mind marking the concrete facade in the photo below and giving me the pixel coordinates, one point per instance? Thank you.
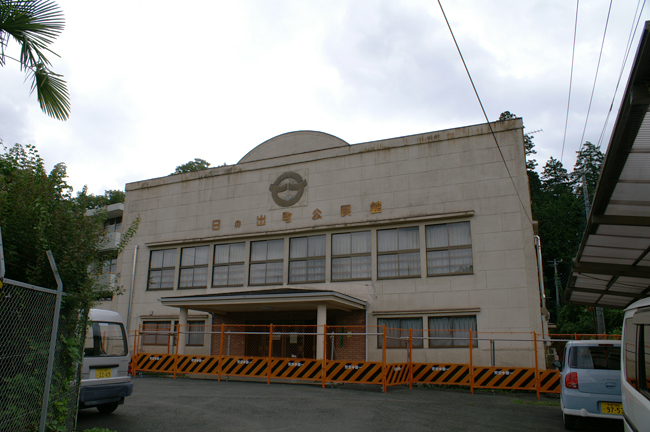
(437, 178)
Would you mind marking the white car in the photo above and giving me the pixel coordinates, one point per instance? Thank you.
(105, 380)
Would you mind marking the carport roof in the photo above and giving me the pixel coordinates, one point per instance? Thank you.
(277, 299)
(612, 267)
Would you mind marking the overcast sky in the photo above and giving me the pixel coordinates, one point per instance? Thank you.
(155, 84)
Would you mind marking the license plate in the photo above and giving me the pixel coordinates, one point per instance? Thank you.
(106, 373)
(611, 408)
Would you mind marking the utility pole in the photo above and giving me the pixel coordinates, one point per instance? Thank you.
(556, 278)
(600, 315)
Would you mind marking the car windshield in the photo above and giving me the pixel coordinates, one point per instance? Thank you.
(595, 357)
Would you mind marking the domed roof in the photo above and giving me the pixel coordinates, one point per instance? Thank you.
(293, 143)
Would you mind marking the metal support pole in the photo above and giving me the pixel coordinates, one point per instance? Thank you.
(324, 357)
(536, 365)
(492, 354)
(2, 260)
(471, 364)
(55, 330)
(128, 311)
(410, 366)
(223, 327)
(383, 359)
(268, 369)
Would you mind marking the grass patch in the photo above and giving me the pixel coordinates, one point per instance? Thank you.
(538, 403)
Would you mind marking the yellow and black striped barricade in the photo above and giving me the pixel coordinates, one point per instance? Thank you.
(255, 367)
(298, 369)
(197, 364)
(549, 381)
(397, 374)
(504, 378)
(441, 374)
(163, 363)
(354, 372)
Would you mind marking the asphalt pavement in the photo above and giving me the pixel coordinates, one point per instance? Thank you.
(161, 404)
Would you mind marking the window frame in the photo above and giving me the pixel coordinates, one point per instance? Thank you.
(309, 258)
(161, 270)
(417, 343)
(159, 332)
(398, 253)
(228, 265)
(251, 263)
(194, 267)
(196, 325)
(449, 248)
(351, 255)
(454, 343)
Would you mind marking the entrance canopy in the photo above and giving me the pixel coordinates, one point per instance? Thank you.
(612, 267)
(281, 299)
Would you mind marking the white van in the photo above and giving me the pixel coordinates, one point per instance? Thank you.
(635, 366)
(105, 380)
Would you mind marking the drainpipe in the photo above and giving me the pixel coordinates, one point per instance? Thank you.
(128, 312)
(538, 250)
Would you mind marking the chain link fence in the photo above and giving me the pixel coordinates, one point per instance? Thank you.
(27, 316)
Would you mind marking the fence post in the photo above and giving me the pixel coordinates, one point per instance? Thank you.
(53, 335)
(268, 372)
(536, 366)
(383, 360)
(471, 364)
(410, 365)
(324, 359)
(223, 327)
(178, 343)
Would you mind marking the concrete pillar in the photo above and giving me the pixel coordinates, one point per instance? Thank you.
(182, 338)
(321, 320)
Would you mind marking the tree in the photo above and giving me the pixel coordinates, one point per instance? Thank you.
(589, 162)
(34, 24)
(195, 165)
(91, 201)
(529, 146)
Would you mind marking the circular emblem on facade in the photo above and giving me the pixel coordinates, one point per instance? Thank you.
(288, 189)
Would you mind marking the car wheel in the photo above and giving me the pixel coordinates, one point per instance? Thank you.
(107, 408)
(569, 422)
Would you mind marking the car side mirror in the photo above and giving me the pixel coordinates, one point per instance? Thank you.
(557, 364)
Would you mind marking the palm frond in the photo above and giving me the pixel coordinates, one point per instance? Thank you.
(51, 92)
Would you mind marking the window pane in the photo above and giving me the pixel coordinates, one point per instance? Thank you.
(460, 260)
(630, 352)
(361, 267)
(156, 259)
(409, 264)
(169, 258)
(155, 277)
(440, 327)
(258, 251)
(360, 242)
(463, 323)
(316, 246)
(220, 276)
(237, 252)
(236, 274)
(167, 279)
(459, 234)
(298, 247)
(258, 274)
(276, 250)
(274, 273)
(200, 277)
(341, 268)
(437, 236)
(409, 238)
(186, 277)
(341, 244)
(221, 254)
(298, 271)
(387, 240)
(201, 255)
(387, 266)
(646, 356)
(316, 270)
(438, 262)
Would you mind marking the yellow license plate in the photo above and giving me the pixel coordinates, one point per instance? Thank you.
(106, 373)
(611, 408)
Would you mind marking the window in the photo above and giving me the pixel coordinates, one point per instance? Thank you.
(110, 266)
(228, 267)
(351, 256)
(161, 269)
(195, 330)
(113, 224)
(595, 357)
(449, 249)
(397, 332)
(630, 344)
(307, 259)
(267, 260)
(398, 252)
(644, 381)
(455, 328)
(105, 339)
(194, 267)
(156, 333)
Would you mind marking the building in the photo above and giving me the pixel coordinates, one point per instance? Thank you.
(108, 280)
(428, 231)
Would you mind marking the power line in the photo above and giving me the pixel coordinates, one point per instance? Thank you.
(573, 55)
(593, 89)
(484, 113)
